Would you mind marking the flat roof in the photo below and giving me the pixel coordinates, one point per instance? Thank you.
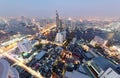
(89, 55)
(103, 63)
(76, 74)
(40, 55)
(81, 69)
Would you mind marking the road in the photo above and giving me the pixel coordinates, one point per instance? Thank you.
(5, 50)
(46, 42)
(28, 69)
(8, 49)
(47, 28)
(44, 30)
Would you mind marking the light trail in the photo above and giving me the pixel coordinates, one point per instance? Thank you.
(48, 28)
(46, 42)
(28, 69)
(5, 51)
(8, 49)
(45, 29)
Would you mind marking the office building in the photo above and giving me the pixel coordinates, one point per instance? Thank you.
(25, 45)
(58, 22)
(60, 37)
(57, 19)
(98, 41)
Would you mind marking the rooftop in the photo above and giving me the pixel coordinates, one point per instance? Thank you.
(75, 74)
(103, 63)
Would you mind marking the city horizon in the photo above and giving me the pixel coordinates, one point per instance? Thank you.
(59, 39)
(66, 8)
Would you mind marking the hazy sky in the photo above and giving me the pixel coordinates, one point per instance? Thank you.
(65, 7)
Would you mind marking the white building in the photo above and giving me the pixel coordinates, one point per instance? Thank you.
(25, 46)
(60, 37)
(102, 68)
(110, 73)
(74, 40)
(6, 71)
(98, 41)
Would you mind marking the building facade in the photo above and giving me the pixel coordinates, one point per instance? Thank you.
(25, 46)
(60, 37)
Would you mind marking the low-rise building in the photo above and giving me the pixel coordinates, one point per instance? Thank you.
(100, 67)
(75, 74)
(98, 41)
(40, 55)
(110, 73)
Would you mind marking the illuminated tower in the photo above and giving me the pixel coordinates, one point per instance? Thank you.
(60, 27)
(57, 19)
(58, 22)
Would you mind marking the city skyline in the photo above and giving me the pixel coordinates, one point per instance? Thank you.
(45, 8)
(59, 47)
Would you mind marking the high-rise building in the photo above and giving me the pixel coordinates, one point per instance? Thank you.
(6, 71)
(58, 22)
(25, 46)
(60, 37)
(60, 27)
(57, 19)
